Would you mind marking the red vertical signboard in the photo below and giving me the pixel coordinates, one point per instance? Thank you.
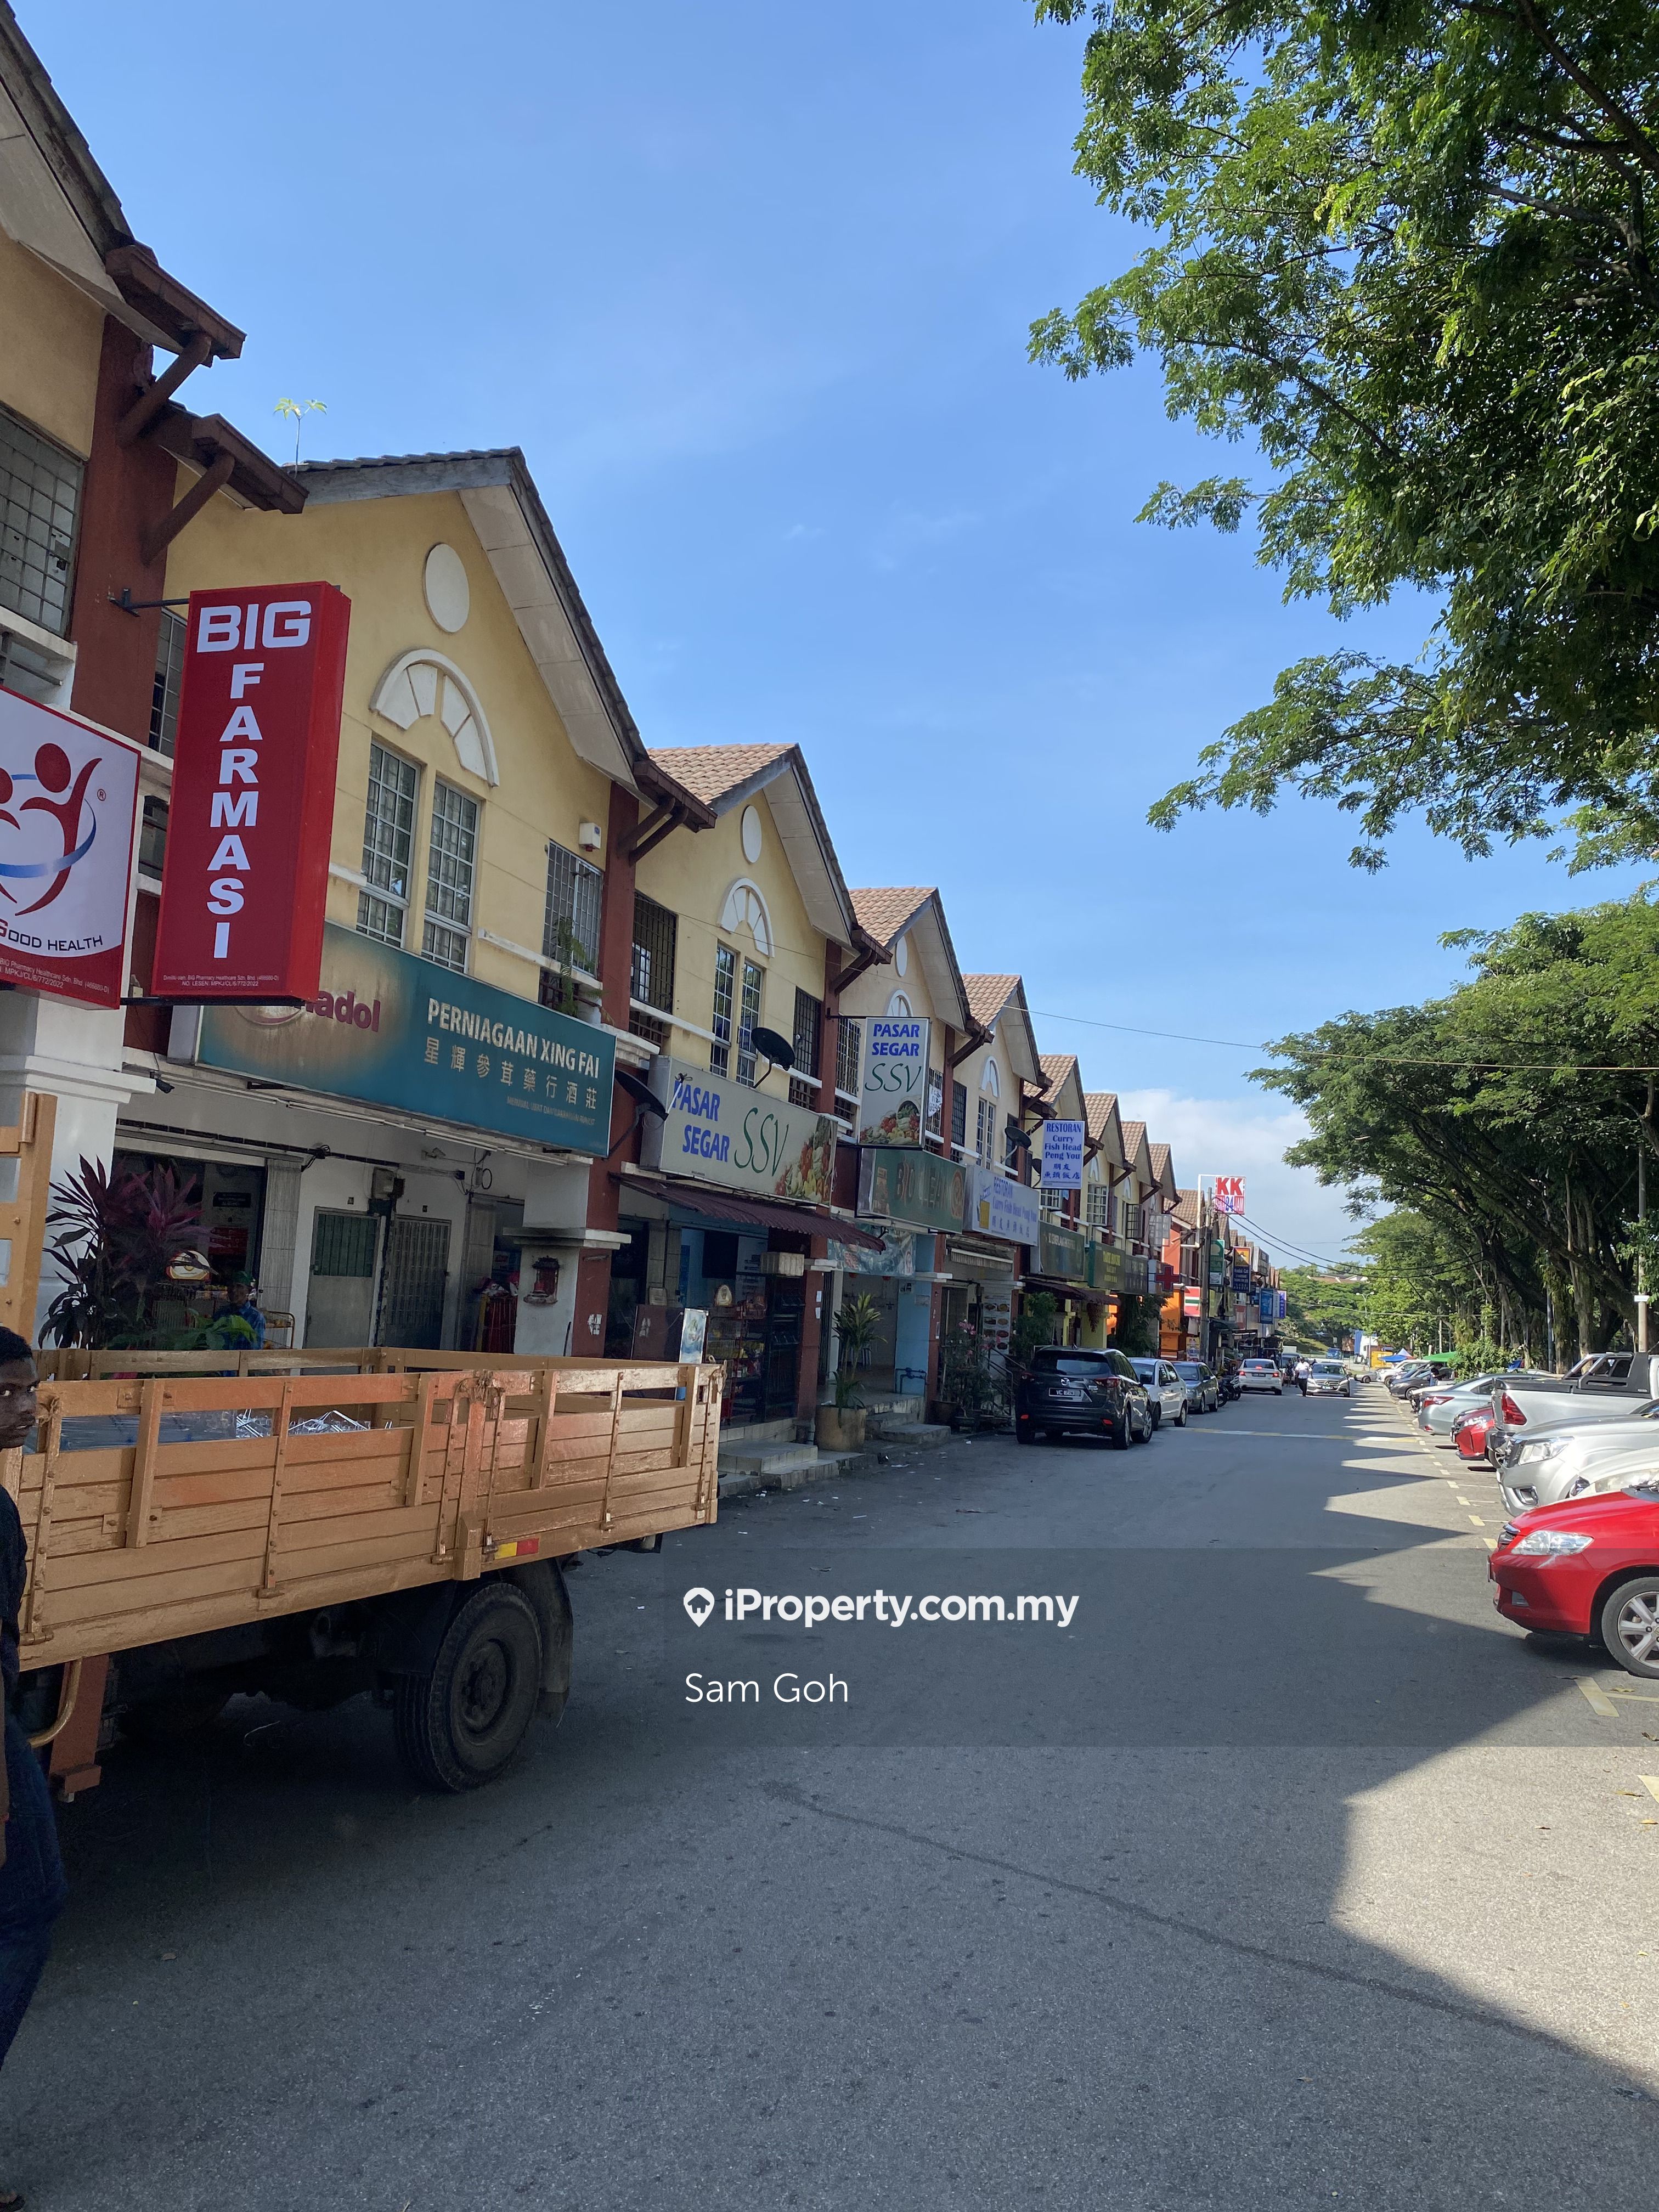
(245, 885)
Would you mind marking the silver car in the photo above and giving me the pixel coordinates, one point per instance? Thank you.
(1166, 1392)
(1437, 1412)
(1327, 1378)
(1542, 1466)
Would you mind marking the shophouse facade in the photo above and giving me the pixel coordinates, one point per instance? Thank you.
(418, 1156)
(102, 470)
(990, 1092)
(1064, 1261)
(728, 1199)
(904, 1028)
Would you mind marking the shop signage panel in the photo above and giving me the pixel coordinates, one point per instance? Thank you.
(1229, 1194)
(999, 1207)
(67, 797)
(902, 1182)
(1241, 1281)
(251, 814)
(1064, 1253)
(899, 1257)
(893, 1102)
(720, 1132)
(404, 1032)
(1062, 1155)
(1106, 1269)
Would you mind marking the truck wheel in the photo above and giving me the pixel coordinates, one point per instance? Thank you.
(461, 1725)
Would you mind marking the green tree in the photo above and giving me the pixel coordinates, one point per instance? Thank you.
(1405, 247)
(1320, 1307)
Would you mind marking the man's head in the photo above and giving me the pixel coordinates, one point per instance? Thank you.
(238, 1289)
(18, 1382)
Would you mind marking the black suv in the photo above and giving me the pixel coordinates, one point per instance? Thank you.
(1068, 1391)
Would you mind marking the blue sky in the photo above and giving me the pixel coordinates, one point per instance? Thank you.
(751, 286)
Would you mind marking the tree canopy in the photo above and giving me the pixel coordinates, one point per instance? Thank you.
(1508, 1115)
(1404, 245)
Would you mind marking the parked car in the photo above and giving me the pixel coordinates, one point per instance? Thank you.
(1203, 1391)
(1609, 1386)
(1069, 1391)
(1261, 1375)
(1438, 1409)
(1165, 1390)
(1328, 1379)
(1589, 1568)
(1471, 1430)
(1539, 1467)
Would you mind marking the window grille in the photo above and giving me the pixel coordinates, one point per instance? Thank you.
(808, 1030)
(388, 845)
(169, 670)
(153, 837)
(849, 1048)
(803, 1093)
(26, 669)
(749, 1020)
(959, 1117)
(656, 937)
(725, 978)
(451, 869)
(570, 931)
(40, 495)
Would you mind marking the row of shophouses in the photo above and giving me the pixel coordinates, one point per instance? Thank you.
(532, 1106)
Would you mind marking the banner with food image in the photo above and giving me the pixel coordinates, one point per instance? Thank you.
(893, 1100)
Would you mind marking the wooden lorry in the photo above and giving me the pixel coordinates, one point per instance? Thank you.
(225, 1542)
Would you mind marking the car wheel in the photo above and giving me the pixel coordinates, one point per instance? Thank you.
(1123, 1431)
(1023, 1433)
(1278, 1390)
(1630, 1625)
(1180, 1419)
(1158, 1417)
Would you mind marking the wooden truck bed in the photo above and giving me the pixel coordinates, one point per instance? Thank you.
(468, 1463)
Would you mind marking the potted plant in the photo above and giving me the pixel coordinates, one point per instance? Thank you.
(972, 1393)
(840, 1426)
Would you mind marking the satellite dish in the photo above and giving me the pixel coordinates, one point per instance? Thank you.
(778, 1049)
(642, 1094)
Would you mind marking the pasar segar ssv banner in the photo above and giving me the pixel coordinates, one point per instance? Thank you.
(245, 886)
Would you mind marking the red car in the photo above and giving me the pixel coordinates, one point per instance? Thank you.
(1470, 1432)
(1591, 1568)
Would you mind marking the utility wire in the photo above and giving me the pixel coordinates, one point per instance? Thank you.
(1375, 1059)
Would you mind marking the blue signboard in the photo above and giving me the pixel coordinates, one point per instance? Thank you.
(406, 1033)
(1266, 1305)
(1242, 1281)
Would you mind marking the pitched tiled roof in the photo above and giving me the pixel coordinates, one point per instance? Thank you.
(710, 771)
(1187, 1207)
(1056, 1066)
(1160, 1159)
(987, 995)
(1098, 1107)
(884, 912)
(1133, 1132)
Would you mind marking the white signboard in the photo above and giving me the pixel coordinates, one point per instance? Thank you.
(893, 1106)
(67, 797)
(1229, 1194)
(998, 1207)
(726, 1133)
(1062, 1155)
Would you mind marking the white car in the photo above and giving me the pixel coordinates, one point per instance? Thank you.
(1261, 1375)
(1542, 1466)
(1166, 1394)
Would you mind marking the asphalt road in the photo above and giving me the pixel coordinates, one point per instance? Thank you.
(1285, 1875)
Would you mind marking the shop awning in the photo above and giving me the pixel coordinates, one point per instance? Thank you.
(725, 1205)
(1060, 1288)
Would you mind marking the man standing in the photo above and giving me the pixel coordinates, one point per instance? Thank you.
(31, 1885)
(238, 1304)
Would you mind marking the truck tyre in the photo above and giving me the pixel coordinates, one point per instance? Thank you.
(461, 1724)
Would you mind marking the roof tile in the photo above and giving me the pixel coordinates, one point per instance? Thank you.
(884, 912)
(710, 771)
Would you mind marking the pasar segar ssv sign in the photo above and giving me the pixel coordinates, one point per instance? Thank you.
(245, 886)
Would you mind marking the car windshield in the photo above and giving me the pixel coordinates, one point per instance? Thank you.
(1074, 1364)
(1189, 1370)
(1326, 1367)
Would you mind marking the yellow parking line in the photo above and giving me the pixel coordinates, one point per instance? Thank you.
(1597, 1698)
(1478, 1521)
(1642, 1697)
(1650, 1783)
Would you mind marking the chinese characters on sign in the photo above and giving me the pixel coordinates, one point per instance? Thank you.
(67, 796)
(1062, 1155)
(252, 809)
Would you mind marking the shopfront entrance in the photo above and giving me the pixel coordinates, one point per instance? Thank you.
(377, 1281)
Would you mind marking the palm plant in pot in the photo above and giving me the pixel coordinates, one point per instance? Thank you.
(840, 1426)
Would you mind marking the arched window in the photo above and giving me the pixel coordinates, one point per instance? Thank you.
(745, 908)
(989, 1082)
(426, 683)
(899, 1006)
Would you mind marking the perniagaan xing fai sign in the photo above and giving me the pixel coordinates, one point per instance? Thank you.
(69, 795)
(245, 888)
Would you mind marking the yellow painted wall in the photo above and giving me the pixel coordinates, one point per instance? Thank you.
(375, 551)
(691, 874)
(50, 337)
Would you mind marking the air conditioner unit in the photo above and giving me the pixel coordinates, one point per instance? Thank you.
(783, 1263)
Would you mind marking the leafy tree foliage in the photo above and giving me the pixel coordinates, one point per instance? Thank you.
(1406, 246)
(1507, 1115)
(1320, 1307)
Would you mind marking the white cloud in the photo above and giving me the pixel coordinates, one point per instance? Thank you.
(1243, 1136)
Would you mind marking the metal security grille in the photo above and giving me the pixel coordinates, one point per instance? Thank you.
(959, 1116)
(344, 1245)
(412, 1282)
(24, 668)
(656, 938)
(452, 862)
(849, 1044)
(169, 670)
(725, 979)
(808, 1030)
(39, 496)
(748, 1021)
(388, 844)
(570, 929)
